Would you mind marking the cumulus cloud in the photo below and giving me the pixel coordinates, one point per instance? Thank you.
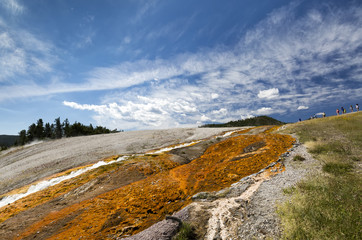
(146, 112)
(204, 118)
(269, 93)
(263, 111)
(302, 107)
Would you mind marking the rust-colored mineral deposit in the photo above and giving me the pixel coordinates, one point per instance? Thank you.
(166, 187)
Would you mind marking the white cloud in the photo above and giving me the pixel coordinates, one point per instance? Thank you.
(74, 105)
(302, 107)
(204, 118)
(242, 117)
(269, 93)
(214, 95)
(146, 112)
(264, 111)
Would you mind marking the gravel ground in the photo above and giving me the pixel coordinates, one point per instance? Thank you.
(24, 165)
(262, 221)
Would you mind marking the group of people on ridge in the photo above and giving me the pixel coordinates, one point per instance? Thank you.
(343, 110)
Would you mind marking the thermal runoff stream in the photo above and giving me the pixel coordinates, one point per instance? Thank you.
(51, 182)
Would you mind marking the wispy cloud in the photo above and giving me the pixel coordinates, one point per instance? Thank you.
(147, 7)
(13, 6)
(23, 55)
(286, 60)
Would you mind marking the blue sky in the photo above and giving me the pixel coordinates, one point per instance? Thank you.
(163, 64)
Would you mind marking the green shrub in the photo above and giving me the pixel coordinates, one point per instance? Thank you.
(186, 232)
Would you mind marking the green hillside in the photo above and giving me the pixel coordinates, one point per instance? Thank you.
(255, 121)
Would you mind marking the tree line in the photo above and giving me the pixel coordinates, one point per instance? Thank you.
(254, 121)
(58, 129)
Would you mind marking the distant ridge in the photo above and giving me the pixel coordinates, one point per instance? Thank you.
(254, 121)
(8, 140)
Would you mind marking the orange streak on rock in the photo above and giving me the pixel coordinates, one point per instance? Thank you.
(52, 192)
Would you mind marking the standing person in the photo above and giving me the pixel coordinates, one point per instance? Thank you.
(342, 110)
(357, 107)
(324, 114)
(337, 111)
(351, 107)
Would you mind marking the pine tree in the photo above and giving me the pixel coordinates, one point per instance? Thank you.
(48, 131)
(22, 137)
(52, 127)
(31, 132)
(39, 131)
(67, 130)
(58, 128)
